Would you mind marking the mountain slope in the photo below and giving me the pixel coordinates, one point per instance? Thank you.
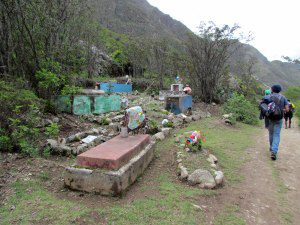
(137, 18)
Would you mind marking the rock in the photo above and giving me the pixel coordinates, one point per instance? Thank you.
(171, 117)
(196, 117)
(183, 173)
(80, 136)
(114, 127)
(55, 120)
(181, 115)
(80, 149)
(93, 131)
(210, 160)
(118, 118)
(179, 160)
(208, 115)
(202, 177)
(159, 136)
(213, 165)
(227, 116)
(197, 207)
(188, 119)
(214, 104)
(177, 140)
(53, 144)
(219, 177)
(63, 150)
(47, 122)
(62, 141)
(214, 158)
(187, 149)
(166, 131)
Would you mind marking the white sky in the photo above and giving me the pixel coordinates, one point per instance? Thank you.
(275, 24)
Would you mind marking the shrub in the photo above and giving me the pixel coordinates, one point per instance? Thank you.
(153, 127)
(242, 109)
(52, 130)
(19, 116)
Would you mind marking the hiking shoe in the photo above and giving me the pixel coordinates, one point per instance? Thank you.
(273, 156)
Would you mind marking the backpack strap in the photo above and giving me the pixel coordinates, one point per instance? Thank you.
(276, 99)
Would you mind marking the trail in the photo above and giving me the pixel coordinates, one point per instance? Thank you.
(270, 193)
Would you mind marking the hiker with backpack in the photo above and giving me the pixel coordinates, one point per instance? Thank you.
(274, 112)
(289, 115)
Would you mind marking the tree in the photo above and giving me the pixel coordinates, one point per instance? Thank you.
(160, 50)
(290, 60)
(208, 52)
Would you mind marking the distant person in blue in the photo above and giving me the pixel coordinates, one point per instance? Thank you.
(275, 125)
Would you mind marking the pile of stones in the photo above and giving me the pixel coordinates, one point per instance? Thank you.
(206, 179)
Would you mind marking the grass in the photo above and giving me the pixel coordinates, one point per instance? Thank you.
(228, 144)
(229, 216)
(169, 201)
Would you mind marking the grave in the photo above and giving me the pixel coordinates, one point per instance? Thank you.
(111, 167)
(90, 102)
(178, 103)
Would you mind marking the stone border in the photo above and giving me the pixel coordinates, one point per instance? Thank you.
(203, 178)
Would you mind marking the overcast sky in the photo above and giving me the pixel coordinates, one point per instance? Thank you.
(275, 24)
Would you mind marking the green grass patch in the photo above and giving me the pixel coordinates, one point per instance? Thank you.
(31, 204)
(227, 143)
(229, 217)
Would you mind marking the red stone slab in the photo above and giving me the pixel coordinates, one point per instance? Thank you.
(114, 153)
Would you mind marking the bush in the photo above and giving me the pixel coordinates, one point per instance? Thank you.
(19, 116)
(52, 130)
(242, 109)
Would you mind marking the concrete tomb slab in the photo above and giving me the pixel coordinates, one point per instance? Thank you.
(113, 182)
(113, 154)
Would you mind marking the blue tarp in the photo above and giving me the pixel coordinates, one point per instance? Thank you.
(116, 88)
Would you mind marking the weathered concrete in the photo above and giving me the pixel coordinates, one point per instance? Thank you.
(114, 153)
(109, 182)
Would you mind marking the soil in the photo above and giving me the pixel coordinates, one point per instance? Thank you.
(256, 196)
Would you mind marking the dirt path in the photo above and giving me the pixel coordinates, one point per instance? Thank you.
(288, 166)
(270, 193)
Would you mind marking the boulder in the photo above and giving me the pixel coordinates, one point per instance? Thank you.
(196, 117)
(188, 119)
(203, 178)
(183, 173)
(53, 144)
(55, 120)
(219, 177)
(166, 131)
(159, 136)
(213, 165)
(213, 158)
(114, 127)
(118, 118)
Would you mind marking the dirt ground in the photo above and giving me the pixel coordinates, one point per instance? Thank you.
(269, 191)
(265, 198)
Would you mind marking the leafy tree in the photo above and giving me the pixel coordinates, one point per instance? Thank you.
(208, 53)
